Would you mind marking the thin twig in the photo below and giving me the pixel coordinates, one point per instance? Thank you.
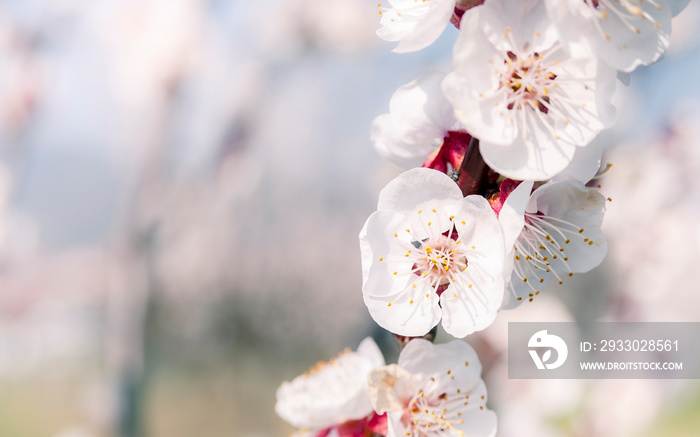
(472, 176)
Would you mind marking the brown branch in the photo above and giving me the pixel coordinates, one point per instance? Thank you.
(402, 341)
(472, 176)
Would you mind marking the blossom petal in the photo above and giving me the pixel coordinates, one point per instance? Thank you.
(471, 304)
(471, 301)
(523, 18)
(583, 207)
(527, 280)
(559, 199)
(370, 351)
(412, 312)
(386, 137)
(477, 226)
(418, 120)
(383, 274)
(417, 189)
(415, 31)
(585, 163)
(512, 220)
(677, 6)
(422, 357)
(331, 394)
(511, 217)
(390, 388)
(533, 157)
(623, 35)
(478, 422)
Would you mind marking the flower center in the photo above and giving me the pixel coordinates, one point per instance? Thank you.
(526, 81)
(440, 259)
(427, 415)
(541, 243)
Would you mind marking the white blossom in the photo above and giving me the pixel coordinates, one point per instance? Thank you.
(332, 393)
(558, 234)
(623, 33)
(420, 126)
(434, 390)
(530, 102)
(414, 23)
(428, 253)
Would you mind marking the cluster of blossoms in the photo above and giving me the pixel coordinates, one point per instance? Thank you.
(432, 390)
(503, 201)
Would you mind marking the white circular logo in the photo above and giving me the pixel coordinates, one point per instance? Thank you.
(544, 343)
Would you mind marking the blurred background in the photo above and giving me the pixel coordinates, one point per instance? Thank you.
(182, 183)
